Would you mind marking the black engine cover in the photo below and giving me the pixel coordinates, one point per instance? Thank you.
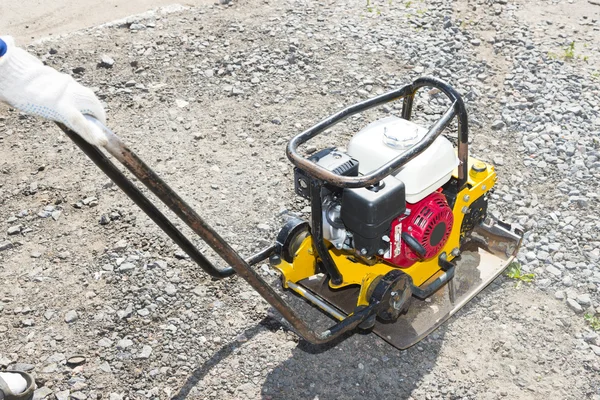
(335, 161)
(369, 212)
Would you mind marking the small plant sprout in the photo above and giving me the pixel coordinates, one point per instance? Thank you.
(570, 51)
(593, 321)
(514, 272)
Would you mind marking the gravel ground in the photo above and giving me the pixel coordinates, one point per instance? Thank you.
(208, 97)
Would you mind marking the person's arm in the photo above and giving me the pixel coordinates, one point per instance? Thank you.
(31, 87)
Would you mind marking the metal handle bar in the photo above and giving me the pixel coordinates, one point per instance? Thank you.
(237, 264)
(407, 93)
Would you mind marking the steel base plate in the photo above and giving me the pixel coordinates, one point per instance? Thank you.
(486, 254)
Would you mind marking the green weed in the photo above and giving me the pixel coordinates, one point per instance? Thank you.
(593, 321)
(569, 51)
(371, 8)
(514, 272)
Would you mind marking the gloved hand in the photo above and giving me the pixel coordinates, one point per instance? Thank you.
(16, 386)
(32, 87)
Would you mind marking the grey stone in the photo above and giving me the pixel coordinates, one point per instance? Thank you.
(498, 124)
(574, 305)
(137, 27)
(56, 215)
(42, 393)
(543, 283)
(78, 395)
(124, 343)
(126, 267)
(553, 270)
(590, 337)
(33, 187)
(120, 245)
(71, 316)
(105, 367)
(62, 395)
(27, 322)
(56, 358)
(125, 313)
(584, 299)
(6, 245)
(21, 367)
(143, 312)
(181, 103)
(263, 227)
(159, 263)
(170, 289)
(49, 369)
(14, 230)
(44, 214)
(106, 62)
(559, 295)
(105, 342)
(89, 200)
(145, 353)
(108, 267)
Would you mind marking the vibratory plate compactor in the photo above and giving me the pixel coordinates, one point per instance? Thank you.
(399, 238)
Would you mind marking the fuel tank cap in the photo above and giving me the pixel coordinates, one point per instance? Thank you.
(399, 135)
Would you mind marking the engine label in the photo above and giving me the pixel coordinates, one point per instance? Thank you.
(397, 242)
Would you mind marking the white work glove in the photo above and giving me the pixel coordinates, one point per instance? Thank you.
(15, 382)
(30, 86)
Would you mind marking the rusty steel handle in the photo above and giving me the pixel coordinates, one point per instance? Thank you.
(238, 265)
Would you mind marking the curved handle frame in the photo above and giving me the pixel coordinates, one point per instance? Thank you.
(407, 93)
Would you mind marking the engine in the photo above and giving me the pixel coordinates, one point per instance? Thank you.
(405, 217)
(422, 233)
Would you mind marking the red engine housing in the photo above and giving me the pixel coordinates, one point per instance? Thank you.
(429, 222)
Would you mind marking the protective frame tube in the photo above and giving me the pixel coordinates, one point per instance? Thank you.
(406, 93)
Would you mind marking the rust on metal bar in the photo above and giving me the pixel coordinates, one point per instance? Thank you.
(157, 186)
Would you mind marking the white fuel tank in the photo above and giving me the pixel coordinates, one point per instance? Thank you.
(387, 138)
